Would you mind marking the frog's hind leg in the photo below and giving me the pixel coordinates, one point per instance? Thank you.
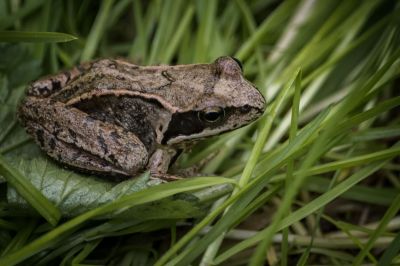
(74, 138)
(70, 155)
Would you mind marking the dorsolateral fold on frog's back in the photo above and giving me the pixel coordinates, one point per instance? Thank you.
(196, 86)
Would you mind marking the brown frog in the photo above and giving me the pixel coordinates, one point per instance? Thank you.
(112, 117)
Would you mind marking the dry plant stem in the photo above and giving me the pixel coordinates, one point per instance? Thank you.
(322, 242)
(393, 225)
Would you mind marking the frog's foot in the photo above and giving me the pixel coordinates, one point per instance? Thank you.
(159, 163)
(165, 177)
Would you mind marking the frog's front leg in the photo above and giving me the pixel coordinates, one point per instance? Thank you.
(160, 162)
(74, 138)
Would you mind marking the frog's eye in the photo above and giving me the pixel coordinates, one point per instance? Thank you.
(212, 114)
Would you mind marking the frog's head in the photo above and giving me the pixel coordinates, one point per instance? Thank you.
(231, 102)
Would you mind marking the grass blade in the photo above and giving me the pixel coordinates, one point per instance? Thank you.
(97, 30)
(29, 192)
(304, 211)
(391, 251)
(390, 213)
(35, 37)
(120, 205)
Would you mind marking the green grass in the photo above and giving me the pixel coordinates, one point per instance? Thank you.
(315, 181)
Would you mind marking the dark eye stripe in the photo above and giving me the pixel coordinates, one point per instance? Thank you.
(190, 123)
(183, 124)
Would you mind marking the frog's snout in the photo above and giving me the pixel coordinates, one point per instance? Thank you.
(259, 102)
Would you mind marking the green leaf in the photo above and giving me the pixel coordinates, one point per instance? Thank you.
(75, 194)
(36, 37)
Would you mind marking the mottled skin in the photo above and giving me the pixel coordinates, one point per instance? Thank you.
(115, 118)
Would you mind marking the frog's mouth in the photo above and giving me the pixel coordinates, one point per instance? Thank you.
(187, 126)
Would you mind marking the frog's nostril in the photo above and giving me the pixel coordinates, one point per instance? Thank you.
(245, 109)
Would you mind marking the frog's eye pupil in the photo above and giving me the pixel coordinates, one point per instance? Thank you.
(212, 115)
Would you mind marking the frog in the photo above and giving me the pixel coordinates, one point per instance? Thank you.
(111, 117)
